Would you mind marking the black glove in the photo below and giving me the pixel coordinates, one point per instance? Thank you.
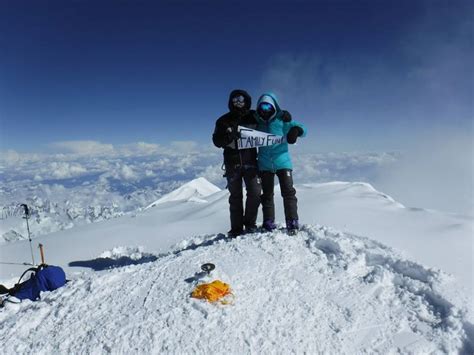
(293, 134)
(285, 116)
(231, 134)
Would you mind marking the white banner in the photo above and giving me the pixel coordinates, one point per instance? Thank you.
(250, 138)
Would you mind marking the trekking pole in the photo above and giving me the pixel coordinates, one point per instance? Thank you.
(41, 253)
(27, 213)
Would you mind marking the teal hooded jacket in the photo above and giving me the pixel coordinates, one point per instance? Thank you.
(275, 157)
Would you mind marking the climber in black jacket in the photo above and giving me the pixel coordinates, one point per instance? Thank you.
(239, 164)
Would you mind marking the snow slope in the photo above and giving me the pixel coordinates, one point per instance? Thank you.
(323, 291)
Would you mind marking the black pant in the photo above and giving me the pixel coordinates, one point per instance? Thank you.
(288, 192)
(239, 218)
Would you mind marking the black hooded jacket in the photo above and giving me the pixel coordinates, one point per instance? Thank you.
(229, 122)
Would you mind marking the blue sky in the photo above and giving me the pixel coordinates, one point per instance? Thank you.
(362, 75)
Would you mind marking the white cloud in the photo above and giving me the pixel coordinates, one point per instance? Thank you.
(128, 173)
(140, 148)
(10, 156)
(84, 147)
(214, 174)
(62, 170)
(122, 171)
(184, 146)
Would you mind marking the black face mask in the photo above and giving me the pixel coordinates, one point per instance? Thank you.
(266, 110)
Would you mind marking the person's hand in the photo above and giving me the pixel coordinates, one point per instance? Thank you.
(293, 134)
(232, 134)
(285, 116)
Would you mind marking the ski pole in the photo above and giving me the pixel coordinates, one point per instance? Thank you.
(27, 213)
(41, 253)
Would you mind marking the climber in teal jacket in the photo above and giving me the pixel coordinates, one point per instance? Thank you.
(275, 160)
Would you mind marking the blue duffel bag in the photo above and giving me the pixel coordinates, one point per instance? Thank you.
(43, 278)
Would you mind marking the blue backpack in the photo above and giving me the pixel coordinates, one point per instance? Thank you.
(44, 278)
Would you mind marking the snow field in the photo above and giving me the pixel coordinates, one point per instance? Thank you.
(321, 291)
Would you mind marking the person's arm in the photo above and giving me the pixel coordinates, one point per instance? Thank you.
(224, 134)
(218, 136)
(294, 130)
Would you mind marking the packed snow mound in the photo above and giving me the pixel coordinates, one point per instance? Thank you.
(321, 291)
(193, 191)
(134, 253)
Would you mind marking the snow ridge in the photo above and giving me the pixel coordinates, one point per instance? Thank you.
(193, 191)
(320, 292)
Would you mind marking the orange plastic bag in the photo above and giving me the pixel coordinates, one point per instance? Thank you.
(212, 292)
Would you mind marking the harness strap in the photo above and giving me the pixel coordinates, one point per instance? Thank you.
(33, 269)
(17, 286)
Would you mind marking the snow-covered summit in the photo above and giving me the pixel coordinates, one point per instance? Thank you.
(194, 191)
(323, 291)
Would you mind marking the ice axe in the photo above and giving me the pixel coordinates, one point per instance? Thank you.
(40, 246)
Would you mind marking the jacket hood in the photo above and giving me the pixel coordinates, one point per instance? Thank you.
(271, 99)
(248, 99)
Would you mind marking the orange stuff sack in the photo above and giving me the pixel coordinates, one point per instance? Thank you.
(212, 292)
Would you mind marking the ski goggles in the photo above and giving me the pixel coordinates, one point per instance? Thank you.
(266, 107)
(266, 110)
(238, 101)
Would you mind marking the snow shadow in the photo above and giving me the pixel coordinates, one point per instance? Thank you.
(100, 264)
(104, 263)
